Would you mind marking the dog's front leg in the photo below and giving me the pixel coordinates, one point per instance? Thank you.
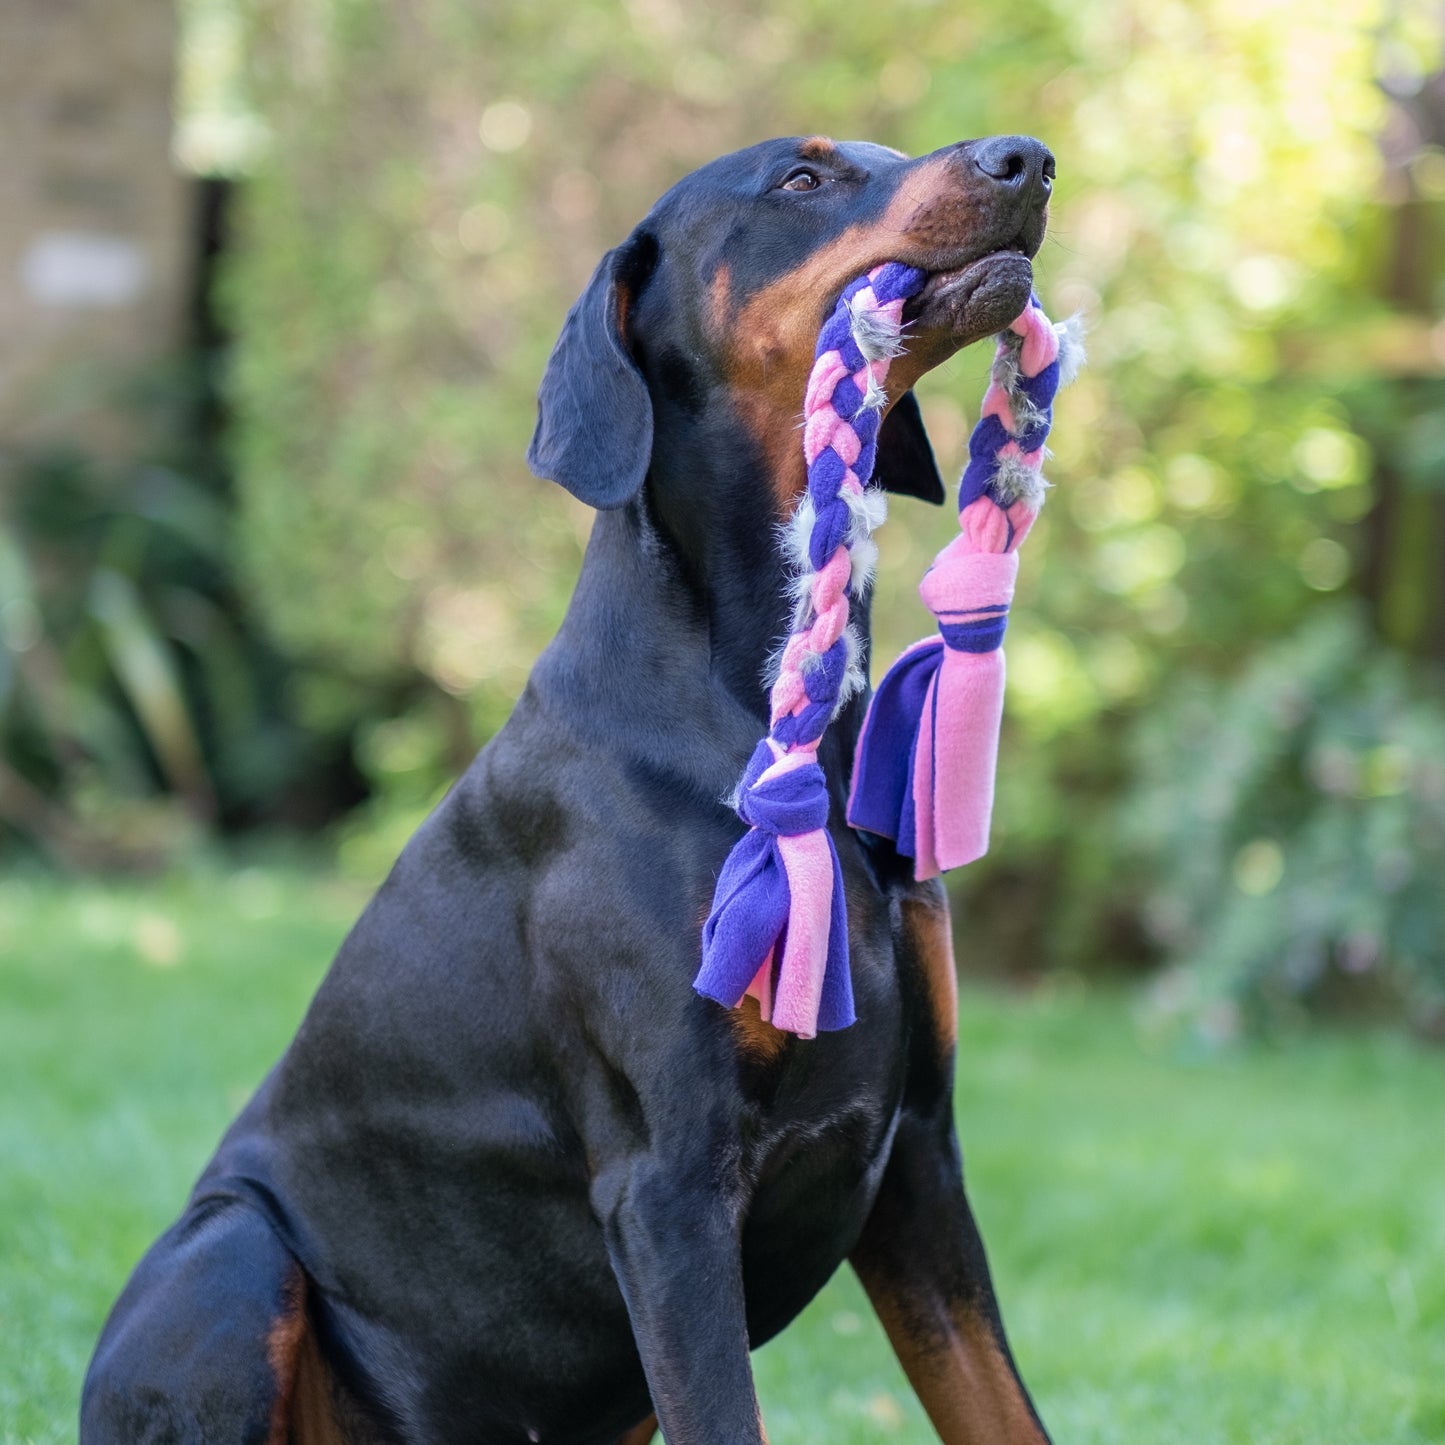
(673, 1241)
(922, 1262)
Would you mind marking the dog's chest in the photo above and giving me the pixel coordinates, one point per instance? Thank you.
(823, 1117)
(814, 1194)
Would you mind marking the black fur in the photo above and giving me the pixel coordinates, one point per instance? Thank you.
(537, 1186)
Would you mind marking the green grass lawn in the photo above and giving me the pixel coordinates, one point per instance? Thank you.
(1248, 1248)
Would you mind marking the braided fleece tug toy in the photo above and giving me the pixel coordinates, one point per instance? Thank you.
(924, 770)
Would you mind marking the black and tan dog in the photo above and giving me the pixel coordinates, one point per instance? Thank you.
(514, 1180)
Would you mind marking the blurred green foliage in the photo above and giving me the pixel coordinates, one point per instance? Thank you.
(1289, 828)
(1248, 212)
(110, 591)
(141, 704)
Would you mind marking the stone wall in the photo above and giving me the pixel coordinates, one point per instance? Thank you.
(94, 217)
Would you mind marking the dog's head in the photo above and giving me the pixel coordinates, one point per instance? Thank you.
(720, 292)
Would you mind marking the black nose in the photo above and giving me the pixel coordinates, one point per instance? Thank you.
(1017, 161)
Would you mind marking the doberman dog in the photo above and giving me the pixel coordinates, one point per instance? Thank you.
(514, 1180)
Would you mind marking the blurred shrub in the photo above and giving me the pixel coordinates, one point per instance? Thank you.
(1289, 828)
(138, 700)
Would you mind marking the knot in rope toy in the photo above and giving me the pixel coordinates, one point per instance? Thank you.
(924, 770)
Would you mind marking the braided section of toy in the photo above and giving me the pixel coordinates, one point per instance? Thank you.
(924, 772)
(778, 927)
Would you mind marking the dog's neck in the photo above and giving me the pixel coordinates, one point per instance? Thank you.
(684, 590)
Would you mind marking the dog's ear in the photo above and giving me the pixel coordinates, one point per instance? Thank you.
(594, 416)
(905, 462)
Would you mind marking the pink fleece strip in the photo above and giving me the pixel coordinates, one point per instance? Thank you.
(983, 527)
(787, 762)
(996, 403)
(828, 371)
(1021, 517)
(925, 865)
(1041, 341)
(788, 691)
(956, 786)
(808, 862)
(825, 428)
(830, 600)
(961, 581)
(761, 987)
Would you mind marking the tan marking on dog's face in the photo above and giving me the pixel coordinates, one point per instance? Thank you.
(930, 936)
(771, 333)
(817, 148)
(719, 299)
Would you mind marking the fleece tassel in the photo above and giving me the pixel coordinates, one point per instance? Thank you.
(927, 755)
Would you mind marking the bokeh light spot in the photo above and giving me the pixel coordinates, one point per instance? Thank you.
(1258, 867)
(505, 126)
(1324, 564)
(1329, 457)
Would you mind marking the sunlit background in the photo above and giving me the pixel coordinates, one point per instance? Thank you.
(277, 282)
(271, 559)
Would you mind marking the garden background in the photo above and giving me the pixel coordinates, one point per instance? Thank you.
(269, 577)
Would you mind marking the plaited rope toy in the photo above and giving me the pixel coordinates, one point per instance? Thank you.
(924, 771)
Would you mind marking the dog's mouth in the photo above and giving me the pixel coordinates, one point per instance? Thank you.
(975, 300)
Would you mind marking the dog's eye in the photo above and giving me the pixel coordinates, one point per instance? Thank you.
(802, 180)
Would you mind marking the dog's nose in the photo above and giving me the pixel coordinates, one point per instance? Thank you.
(1019, 162)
